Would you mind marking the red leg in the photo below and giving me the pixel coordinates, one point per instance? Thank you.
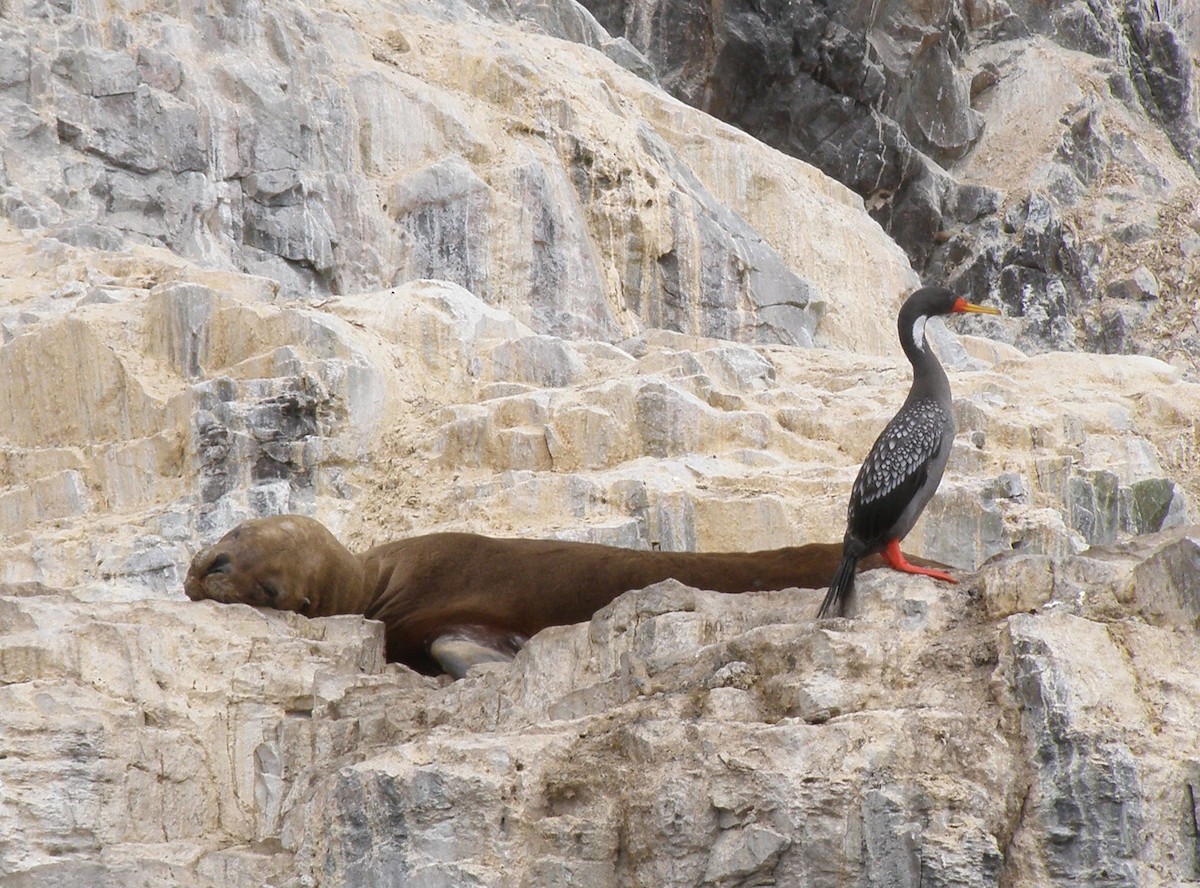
(895, 559)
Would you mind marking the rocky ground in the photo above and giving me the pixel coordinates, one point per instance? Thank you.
(428, 265)
(1036, 726)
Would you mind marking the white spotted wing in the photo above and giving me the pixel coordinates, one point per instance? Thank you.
(896, 469)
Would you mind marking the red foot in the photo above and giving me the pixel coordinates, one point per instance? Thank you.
(895, 559)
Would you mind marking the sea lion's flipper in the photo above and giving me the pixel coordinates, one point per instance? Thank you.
(458, 650)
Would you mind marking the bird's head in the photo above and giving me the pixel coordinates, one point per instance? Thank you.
(927, 302)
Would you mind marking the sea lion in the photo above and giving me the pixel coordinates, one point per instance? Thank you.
(451, 600)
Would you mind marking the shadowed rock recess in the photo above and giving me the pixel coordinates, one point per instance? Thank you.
(422, 266)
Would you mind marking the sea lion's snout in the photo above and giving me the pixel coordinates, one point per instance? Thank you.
(209, 565)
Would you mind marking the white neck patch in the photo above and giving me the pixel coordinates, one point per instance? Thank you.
(918, 332)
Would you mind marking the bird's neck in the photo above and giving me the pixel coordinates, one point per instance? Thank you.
(929, 379)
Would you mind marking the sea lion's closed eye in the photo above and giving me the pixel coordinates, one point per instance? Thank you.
(221, 564)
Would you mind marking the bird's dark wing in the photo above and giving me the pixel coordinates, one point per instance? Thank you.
(895, 470)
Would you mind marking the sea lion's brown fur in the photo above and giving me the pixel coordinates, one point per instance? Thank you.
(495, 592)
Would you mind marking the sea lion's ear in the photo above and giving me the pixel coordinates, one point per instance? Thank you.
(461, 648)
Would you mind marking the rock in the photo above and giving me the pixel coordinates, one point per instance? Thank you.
(1094, 506)
(159, 69)
(105, 125)
(794, 75)
(1085, 811)
(435, 207)
(374, 174)
(1085, 146)
(948, 538)
(300, 742)
(1161, 74)
(1017, 583)
(907, 106)
(97, 73)
(971, 203)
(1151, 505)
(628, 57)
(1165, 585)
(936, 107)
(1141, 284)
(740, 854)
(1119, 327)
(1078, 26)
(14, 67)
(143, 767)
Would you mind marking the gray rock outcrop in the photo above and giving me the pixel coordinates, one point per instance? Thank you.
(1031, 151)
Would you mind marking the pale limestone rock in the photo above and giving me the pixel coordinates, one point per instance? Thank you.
(167, 730)
(738, 819)
(346, 149)
(1166, 586)
(659, 440)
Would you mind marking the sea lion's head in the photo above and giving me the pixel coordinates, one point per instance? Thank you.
(287, 562)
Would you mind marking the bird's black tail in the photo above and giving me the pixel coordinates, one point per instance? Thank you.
(840, 589)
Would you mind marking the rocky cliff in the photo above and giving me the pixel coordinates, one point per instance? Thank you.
(435, 265)
(1044, 152)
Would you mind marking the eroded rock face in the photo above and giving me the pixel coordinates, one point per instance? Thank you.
(1034, 152)
(317, 147)
(747, 740)
(133, 738)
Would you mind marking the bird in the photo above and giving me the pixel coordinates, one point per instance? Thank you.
(905, 464)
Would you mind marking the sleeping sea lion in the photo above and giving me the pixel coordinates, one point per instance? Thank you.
(451, 600)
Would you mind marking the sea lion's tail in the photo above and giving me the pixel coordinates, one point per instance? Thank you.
(840, 589)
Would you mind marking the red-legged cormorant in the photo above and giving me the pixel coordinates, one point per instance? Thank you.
(906, 462)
